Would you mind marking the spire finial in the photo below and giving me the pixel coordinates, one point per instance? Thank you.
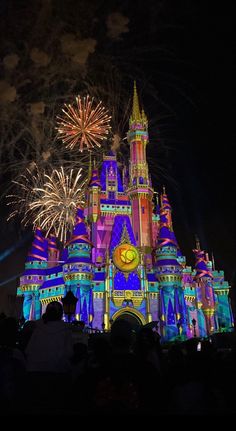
(157, 197)
(136, 111)
(213, 261)
(198, 247)
(90, 166)
(164, 190)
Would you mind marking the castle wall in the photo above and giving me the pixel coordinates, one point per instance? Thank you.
(154, 306)
(98, 303)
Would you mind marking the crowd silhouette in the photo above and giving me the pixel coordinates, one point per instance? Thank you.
(54, 368)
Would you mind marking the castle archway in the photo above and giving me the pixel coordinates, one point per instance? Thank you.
(134, 317)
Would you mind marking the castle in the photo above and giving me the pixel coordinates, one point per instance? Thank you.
(123, 260)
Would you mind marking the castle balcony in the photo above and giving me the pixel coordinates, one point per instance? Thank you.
(78, 276)
(52, 293)
(119, 296)
(33, 287)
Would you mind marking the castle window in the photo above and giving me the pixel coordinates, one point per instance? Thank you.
(143, 210)
(111, 195)
(29, 277)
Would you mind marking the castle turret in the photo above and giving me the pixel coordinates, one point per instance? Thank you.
(53, 252)
(205, 292)
(78, 269)
(33, 276)
(140, 191)
(169, 275)
(165, 204)
(94, 189)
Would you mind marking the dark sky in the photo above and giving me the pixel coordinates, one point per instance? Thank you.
(195, 81)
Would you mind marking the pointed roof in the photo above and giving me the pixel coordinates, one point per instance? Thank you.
(38, 251)
(79, 234)
(137, 117)
(135, 110)
(165, 236)
(52, 244)
(201, 266)
(166, 207)
(165, 201)
(90, 166)
(165, 256)
(94, 181)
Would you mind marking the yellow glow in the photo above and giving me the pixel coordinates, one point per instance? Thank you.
(126, 257)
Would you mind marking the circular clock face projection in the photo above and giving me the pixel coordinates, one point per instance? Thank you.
(126, 257)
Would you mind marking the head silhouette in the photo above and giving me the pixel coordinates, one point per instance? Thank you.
(121, 334)
(54, 312)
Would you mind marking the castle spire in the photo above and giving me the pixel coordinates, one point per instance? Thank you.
(166, 212)
(80, 234)
(138, 119)
(140, 191)
(198, 246)
(136, 116)
(90, 166)
(213, 261)
(200, 265)
(39, 249)
(157, 203)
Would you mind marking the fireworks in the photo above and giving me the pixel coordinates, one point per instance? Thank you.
(83, 125)
(51, 201)
(24, 194)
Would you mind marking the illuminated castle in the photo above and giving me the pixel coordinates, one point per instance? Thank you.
(123, 260)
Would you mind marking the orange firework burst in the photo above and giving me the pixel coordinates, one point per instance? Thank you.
(83, 125)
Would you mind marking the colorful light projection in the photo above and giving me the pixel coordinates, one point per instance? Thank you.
(126, 257)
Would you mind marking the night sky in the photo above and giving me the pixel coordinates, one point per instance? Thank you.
(180, 53)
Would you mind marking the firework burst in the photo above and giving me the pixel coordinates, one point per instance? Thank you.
(83, 125)
(24, 193)
(50, 201)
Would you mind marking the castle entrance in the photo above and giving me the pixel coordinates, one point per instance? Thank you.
(130, 317)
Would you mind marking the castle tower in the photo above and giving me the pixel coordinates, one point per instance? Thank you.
(33, 276)
(205, 292)
(169, 275)
(140, 191)
(165, 204)
(78, 269)
(53, 252)
(94, 189)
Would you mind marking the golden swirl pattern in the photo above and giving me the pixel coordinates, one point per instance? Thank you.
(126, 257)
